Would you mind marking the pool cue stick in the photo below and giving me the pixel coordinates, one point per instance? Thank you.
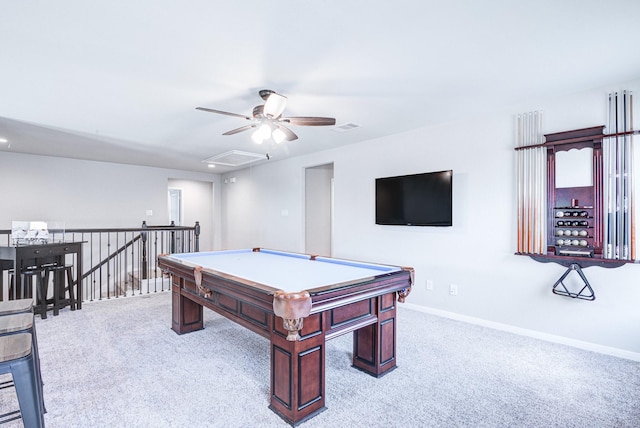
(628, 177)
(527, 171)
(619, 180)
(612, 176)
(541, 232)
(619, 187)
(611, 216)
(519, 190)
(605, 181)
(531, 181)
(535, 219)
(632, 201)
(542, 171)
(529, 189)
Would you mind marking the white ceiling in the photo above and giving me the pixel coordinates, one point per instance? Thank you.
(119, 81)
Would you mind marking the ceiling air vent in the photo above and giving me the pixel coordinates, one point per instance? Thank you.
(345, 127)
(235, 158)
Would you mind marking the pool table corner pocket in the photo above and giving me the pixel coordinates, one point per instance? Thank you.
(292, 308)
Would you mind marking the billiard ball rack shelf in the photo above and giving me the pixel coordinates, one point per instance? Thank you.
(573, 231)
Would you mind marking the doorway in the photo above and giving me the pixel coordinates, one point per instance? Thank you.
(190, 201)
(318, 191)
(175, 206)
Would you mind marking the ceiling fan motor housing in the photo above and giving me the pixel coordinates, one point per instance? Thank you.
(264, 93)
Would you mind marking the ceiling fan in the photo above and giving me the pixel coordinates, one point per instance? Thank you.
(268, 121)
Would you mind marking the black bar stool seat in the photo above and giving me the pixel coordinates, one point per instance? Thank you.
(17, 306)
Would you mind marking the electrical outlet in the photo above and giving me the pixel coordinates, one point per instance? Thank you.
(453, 289)
(429, 284)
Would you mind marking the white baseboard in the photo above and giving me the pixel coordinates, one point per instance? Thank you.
(607, 350)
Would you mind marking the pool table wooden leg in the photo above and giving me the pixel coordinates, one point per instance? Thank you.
(187, 315)
(297, 373)
(374, 346)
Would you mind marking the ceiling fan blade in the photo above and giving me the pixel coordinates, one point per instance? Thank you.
(210, 110)
(290, 135)
(309, 121)
(242, 128)
(275, 104)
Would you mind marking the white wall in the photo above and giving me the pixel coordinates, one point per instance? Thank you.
(477, 253)
(263, 207)
(87, 194)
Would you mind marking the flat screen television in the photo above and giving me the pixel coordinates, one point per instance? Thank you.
(415, 200)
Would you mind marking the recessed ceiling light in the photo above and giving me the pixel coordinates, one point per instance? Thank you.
(211, 165)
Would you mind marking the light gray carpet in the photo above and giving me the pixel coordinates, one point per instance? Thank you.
(117, 363)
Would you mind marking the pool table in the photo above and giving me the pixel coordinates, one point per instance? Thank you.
(298, 302)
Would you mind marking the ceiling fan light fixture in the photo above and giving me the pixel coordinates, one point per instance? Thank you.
(275, 104)
(256, 137)
(265, 131)
(262, 133)
(278, 135)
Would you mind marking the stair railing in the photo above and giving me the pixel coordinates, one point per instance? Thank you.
(120, 262)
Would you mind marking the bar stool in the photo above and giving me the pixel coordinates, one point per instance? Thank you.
(60, 288)
(16, 316)
(8, 266)
(26, 284)
(16, 357)
(27, 278)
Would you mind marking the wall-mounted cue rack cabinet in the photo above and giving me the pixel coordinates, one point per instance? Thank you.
(575, 218)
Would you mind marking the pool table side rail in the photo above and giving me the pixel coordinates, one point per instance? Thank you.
(329, 298)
